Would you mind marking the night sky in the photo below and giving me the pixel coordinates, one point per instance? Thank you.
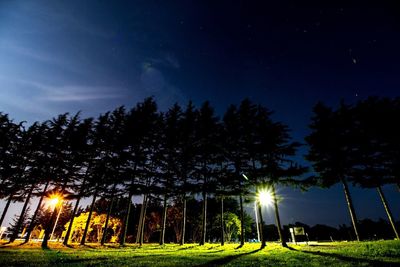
(96, 55)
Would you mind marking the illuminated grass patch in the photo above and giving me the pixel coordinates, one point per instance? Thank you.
(379, 253)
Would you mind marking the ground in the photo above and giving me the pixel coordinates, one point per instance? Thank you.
(376, 253)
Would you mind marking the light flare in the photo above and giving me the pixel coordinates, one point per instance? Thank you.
(54, 200)
(265, 197)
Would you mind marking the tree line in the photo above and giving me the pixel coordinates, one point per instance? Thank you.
(189, 151)
(358, 144)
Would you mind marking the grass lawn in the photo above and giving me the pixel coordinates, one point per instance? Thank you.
(377, 253)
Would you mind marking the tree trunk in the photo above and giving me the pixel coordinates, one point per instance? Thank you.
(143, 220)
(71, 221)
(32, 222)
(3, 215)
(204, 222)
(388, 211)
(351, 208)
(277, 217)
(242, 230)
(139, 228)
(242, 233)
(222, 222)
(128, 210)
(164, 221)
(83, 240)
(183, 231)
(105, 231)
(126, 220)
(261, 225)
(47, 230)
(22, 215)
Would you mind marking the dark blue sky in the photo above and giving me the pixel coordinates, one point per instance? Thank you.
(96, 55)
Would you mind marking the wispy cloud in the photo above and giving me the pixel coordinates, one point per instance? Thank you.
(70, 93)
(32, 99)
(53, 34)
(38, 55)
(49, 58)
(21, 105)
(168, 60)
(55, 15)
(153, 81)
(172, 60)
(79, 93)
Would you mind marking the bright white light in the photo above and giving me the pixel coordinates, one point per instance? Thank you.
(54, 200)
(265, 197)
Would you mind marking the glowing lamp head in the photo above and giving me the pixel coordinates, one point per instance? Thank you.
(265, 197)
(54, 200)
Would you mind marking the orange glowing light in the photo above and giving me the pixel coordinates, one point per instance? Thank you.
(54, 200)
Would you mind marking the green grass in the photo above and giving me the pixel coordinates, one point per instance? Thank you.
(377, 253)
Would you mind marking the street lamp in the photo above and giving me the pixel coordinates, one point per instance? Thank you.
(255, 210)
(264, 197)
(54, 200)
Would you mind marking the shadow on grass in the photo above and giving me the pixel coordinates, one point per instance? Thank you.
(88, 246)
(215, 251)
(228, 259)
(5, 245)
(12, 244)
(188, 247)
(78, 260)
(353, 260)
(24, 243)
(322, 245)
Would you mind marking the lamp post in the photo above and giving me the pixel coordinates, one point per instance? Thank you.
(264, 197)
(257, 226)
(54, 201)
(255, 210)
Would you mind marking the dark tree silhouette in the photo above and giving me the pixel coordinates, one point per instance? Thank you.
(207, 128)
(239, 142)
(29, 145)
(82, 150)
(13, 162)
(42, 164)
(57, 156)
(142, 132)
(98, 170)
(274, 154)
(185, 162)
(114, 160)
(374, 128)
(168, 158)
(331, 150)
(394, 140)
